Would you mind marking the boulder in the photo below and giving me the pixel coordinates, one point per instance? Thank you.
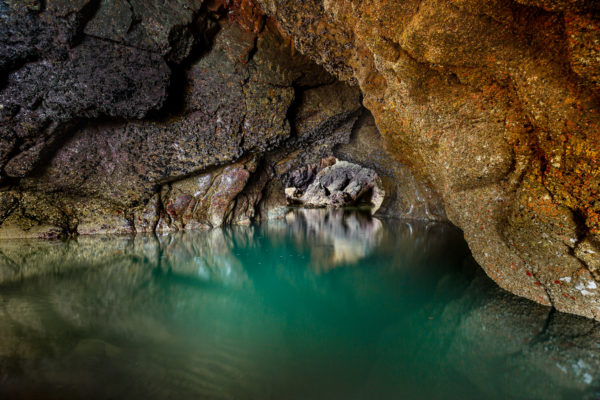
(339, 185)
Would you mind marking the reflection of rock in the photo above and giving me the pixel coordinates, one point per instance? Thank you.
(206, 256)
(26, 259)
(188, 254)
(341, 184)
(221, 309)
(558, 350)
(344, 237)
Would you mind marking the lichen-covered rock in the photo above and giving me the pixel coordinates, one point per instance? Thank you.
(31, 216)
(496, 105)
(51, 215)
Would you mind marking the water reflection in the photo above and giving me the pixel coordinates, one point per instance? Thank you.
(342, 236)
(335, 306)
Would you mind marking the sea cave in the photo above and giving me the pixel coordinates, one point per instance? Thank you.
(284, 199)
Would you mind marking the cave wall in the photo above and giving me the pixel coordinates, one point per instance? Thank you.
(121, 116)
(495, 103)
(157, 120)
(406, 196)
(127, 116)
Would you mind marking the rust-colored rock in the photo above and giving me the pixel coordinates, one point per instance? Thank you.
(496, 104)
(111, 111)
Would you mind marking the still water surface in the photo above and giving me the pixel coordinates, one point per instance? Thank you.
(322, 305)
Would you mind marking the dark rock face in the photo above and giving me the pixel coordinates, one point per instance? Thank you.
(496, 105)
(66, 77)
(150, 120)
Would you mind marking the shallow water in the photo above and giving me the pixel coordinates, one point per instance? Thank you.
(322, 305)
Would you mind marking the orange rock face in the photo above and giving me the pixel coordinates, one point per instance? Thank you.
(496, 103)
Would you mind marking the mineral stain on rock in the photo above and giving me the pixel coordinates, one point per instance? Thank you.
(124, 116)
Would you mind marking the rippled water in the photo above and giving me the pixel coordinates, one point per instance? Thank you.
(322, 305)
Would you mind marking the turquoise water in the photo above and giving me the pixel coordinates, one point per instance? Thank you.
(322, 305)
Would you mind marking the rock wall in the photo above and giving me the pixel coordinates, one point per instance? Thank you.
(125, 116)
(120, 116)
(153, 117)
(338, 185)
(406, 196)
(495, 103)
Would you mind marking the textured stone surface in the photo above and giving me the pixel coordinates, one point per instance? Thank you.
(66, 77)
(207, 200)
(493, 105)
(122, 116)
(496, 105)
(194, 162)
(338, 185)
(406, 195)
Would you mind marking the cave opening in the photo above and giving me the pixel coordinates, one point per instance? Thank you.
(255, 199)
(220, 121)
(334, 183)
